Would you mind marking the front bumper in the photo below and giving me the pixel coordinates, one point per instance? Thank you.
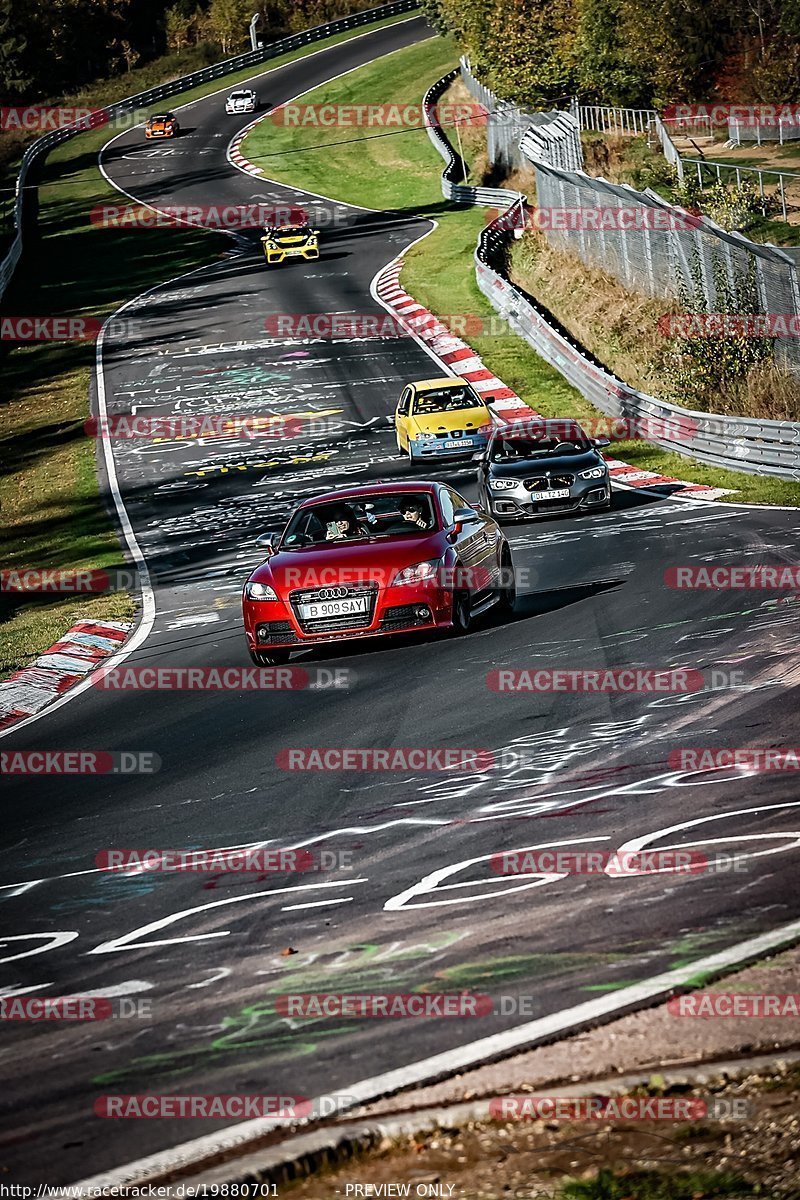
(439, 447)
(159, 133)
(520, 505)
(309, 253)
(272, 624)
(234, 112)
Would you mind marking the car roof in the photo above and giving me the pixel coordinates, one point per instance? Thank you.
(425, 487)
(427, 385)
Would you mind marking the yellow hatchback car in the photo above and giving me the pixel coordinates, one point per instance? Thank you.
(441, 418)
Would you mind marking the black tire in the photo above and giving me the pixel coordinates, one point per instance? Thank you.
(507, 594)
(270, 658)
(462, 615)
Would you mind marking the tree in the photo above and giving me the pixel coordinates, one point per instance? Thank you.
(229, 21)
(177, 26)
(15, 76)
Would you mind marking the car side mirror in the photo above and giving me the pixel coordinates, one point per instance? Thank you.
(463, 516)
(490, 400)
(266, 542)
(600, 442)
(478, 456)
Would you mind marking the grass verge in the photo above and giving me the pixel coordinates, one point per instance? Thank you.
(52, 511)
(402, 172)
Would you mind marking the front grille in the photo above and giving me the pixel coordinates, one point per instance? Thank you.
(276, 631)
(541, 483)
(331, 624)
(452, 433)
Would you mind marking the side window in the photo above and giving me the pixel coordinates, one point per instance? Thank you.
(402, 408)
(445, 500)
(456, 500)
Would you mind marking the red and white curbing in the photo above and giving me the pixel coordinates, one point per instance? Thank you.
(235, 155)
(463, 360)
(71, 659)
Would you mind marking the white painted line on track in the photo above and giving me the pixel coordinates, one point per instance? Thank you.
(196, 1154)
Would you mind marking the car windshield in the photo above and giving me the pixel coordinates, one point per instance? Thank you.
(163, 117)
(240, 95)
(290, 231)
(512, 449)
(445, 400)
(360, 518)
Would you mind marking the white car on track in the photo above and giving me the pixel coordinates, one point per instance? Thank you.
(243, 100)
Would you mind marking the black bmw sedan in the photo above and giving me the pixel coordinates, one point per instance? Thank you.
(541, 467)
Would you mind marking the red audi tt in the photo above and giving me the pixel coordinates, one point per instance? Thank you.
(375, 560)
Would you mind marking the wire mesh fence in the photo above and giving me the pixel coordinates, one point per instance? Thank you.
(517, 136)
(663, 251)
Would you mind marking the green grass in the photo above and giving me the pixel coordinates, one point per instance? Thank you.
(403, 173)
(53, 514)
(657, 1185)
(381, 168)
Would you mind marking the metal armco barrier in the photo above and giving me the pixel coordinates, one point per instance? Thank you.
(738, 443)
(252, 58)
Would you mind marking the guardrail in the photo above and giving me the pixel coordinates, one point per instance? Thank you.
(43, 145)
(738, 443)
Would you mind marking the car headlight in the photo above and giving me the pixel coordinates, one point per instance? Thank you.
(424, 437)
(259, 591)
(501, 485)
(271, 245)
(594, 473)
(421, 572)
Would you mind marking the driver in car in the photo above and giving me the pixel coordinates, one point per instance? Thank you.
(415, 515)
(341, 525)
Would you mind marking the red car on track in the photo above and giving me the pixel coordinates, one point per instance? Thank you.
(374, 561)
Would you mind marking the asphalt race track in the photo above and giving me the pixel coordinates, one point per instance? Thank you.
(206, 952)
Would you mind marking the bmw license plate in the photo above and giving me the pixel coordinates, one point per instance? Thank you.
(323, 609)
(555, 494)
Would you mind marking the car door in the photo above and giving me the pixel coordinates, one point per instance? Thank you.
(401, 417)
(476, 552)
